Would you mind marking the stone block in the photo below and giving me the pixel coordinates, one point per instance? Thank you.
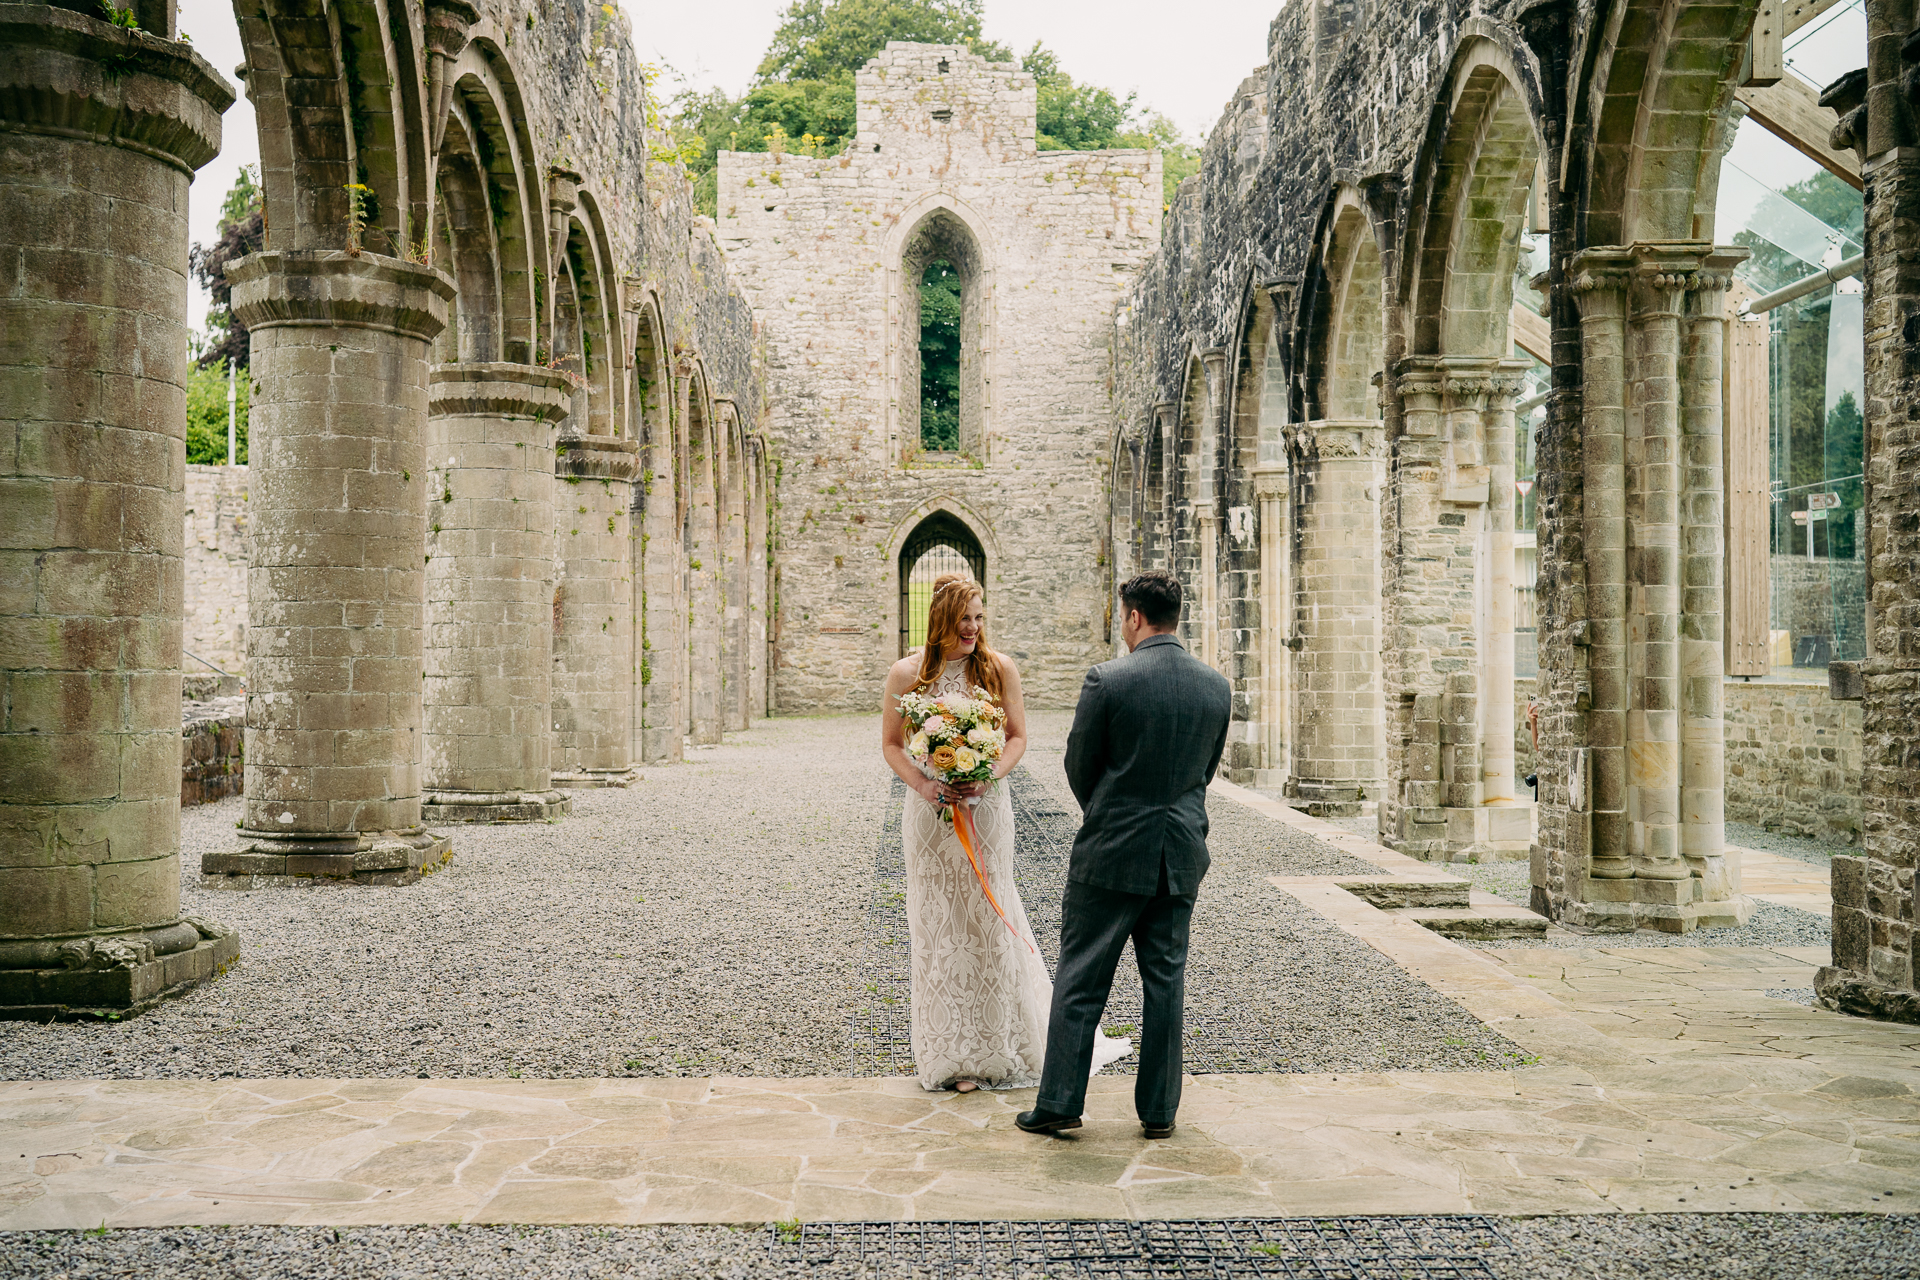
(1852, 934)
(1849, 878)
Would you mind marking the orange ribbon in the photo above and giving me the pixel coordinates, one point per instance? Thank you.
(963, 828)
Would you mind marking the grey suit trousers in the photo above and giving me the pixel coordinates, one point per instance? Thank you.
(1094, 927)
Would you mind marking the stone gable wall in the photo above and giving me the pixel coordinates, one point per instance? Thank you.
(216, 569)
(815, 243)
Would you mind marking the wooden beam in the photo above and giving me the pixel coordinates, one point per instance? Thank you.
(1792, 111)
(1531, 334)
(1800, 12)
(1748, 495)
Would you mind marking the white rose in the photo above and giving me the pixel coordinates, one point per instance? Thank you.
(982, 737)
(918, 747)
(964, 759)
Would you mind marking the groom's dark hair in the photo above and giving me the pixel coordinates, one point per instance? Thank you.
(1156, 594)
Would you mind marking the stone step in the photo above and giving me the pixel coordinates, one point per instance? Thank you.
(1491, 919)
(1393, 892)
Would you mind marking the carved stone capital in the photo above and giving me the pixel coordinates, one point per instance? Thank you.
(331, 288)
(597, 458)
(74, 76)
(501, 390)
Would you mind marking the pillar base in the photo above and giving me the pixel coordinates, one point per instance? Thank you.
(477, 806)
(112, 976)
(271, 860)
(597, 778)
(1329, 799)
(1845, 991)
(1670, 906)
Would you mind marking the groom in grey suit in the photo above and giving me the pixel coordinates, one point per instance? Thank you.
(1146, 740)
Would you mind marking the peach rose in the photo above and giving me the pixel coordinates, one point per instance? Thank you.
(942, 757)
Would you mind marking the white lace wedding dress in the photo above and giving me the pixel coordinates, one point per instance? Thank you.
(980, 995)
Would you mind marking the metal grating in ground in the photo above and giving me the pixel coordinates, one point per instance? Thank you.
(1373, 1248)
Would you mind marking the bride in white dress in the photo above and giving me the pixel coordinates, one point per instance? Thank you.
(981, 993)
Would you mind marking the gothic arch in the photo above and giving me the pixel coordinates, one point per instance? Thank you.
(942, 522)
(337, 98)
(1470, 209)
(1345, 333)
(940, 226)
(484, 106)
(1649, 117)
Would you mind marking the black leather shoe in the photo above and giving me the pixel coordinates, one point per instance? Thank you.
(1157, 1130)
(1037, 1121)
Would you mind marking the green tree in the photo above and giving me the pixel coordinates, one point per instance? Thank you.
(243, 230)
(207, 413)
(831, 39)
(940, 356)
(1827, 198)
(802, 98)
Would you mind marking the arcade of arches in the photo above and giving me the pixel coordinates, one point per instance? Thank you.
(1438, 387)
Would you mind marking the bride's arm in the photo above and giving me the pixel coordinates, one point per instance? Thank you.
(1016, 707)
(893, 740)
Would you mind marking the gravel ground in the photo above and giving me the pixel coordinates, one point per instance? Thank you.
(1272, 986)
(693, 925)
(1610, 1247)
(1732, 1246)
(710, 921)
(1819, 853)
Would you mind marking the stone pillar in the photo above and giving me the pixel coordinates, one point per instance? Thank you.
(592, 613)
(1876, 948)
(1271, 482)
(489, 649)
(659, 571)
(337, 588)
(1337, 738)
(1161, 462)
(759, 582)
(1649, 692)
(103, 128)
(733, 541)
(1450, 614)
(704, 564)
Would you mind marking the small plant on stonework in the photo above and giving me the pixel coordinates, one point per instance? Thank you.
(357, 193)
(125, 18)
(789, 1231)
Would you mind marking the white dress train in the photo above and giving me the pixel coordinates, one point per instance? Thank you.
(981, 994)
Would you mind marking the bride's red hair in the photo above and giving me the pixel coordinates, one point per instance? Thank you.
(952, 593)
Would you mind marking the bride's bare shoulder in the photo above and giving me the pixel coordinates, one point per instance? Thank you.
(905, 671)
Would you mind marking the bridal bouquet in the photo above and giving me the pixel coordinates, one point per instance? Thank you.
(957, 739)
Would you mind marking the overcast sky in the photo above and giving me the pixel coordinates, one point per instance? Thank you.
(1181, 66)
(1174, 63)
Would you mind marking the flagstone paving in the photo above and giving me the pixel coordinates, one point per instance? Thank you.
(1665, 1079)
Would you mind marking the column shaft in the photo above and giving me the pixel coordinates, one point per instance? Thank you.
(592, 616)
(489, 649)
(1653, 500)
(93, 365)
(337, 587)
(1496, 644)
(1604, 492)
(1337, 745)
(704, 563)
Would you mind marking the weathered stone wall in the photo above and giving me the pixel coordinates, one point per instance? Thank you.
(1046, 243)
(212, 749)
(1793, 759)
(216, 568)
(1875, 967)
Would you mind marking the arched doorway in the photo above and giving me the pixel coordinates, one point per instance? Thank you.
(941, 543)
